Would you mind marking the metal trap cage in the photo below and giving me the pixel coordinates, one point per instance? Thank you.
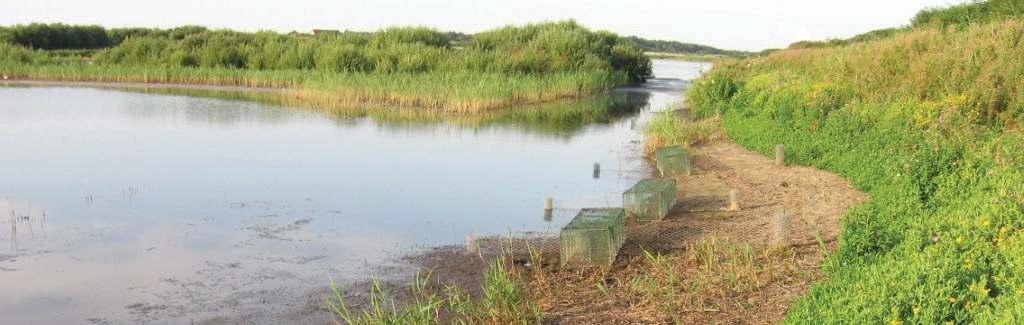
(650, 199)
(672, 161)
(593, 237)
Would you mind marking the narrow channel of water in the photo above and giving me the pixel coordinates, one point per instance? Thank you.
(124, 207)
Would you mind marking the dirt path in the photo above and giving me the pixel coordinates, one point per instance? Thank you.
(816, 198)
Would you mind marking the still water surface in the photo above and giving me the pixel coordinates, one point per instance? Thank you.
(125, 207)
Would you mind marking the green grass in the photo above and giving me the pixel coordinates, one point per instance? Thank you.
(927, 122)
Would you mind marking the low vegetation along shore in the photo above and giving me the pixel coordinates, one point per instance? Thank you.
(395, 67)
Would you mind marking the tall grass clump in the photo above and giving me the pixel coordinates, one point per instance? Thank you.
(399, 66)
(701, 280)
(928, 122)
(12, 55)
(668, 129)
(504, 301)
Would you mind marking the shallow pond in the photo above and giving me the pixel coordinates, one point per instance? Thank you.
(128, 207)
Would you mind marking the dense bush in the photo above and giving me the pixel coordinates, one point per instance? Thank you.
(12, 54)
(56, 36)
(927, 121)
(532, 49)
(977, 12)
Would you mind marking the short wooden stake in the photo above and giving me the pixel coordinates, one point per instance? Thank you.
(597, 170)
(734, 200)
(549, 204)
(471, 244)
(781, 224)
(780, 155)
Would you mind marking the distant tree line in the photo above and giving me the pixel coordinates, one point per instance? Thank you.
(678, 47)
(864, 37)
(58, 36)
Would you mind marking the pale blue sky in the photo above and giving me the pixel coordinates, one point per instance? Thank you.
(732, 24)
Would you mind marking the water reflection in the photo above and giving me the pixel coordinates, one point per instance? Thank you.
(559, 119)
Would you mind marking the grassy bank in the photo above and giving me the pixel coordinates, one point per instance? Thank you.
(927, 121)
(405, 67)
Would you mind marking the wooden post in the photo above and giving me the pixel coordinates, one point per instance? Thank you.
(597, 170)
(734, 200)
(549, 204)
(471, 244)
(780, 155)
(781, 224)
(14, 227)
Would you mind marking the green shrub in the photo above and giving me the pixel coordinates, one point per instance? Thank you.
(977, 12)
(57, 36)
(12, 54)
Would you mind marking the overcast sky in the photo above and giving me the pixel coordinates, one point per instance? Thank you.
(731, 24)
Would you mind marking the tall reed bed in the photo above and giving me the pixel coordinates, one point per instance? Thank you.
(928, 122)
(407, 67)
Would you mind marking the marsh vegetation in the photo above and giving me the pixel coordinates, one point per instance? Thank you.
(394, 67)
